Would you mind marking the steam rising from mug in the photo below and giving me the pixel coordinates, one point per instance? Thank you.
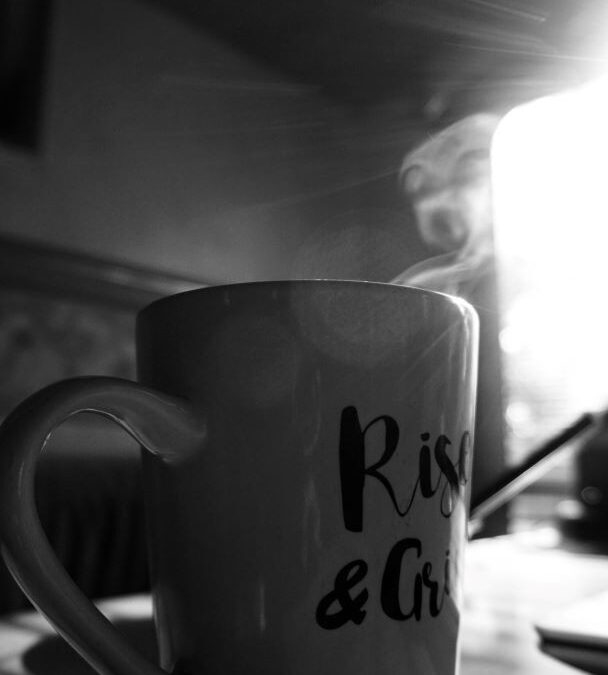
(448, 181)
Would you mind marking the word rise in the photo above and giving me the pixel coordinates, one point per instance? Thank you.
(452, 475)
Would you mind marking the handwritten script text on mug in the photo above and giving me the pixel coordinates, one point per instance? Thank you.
(345, 603)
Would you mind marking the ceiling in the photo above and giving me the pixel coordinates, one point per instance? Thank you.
(442, 56)
(439, 59)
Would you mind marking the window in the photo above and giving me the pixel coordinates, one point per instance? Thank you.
(550, 185)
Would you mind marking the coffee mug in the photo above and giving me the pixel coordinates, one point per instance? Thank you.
(307, 450)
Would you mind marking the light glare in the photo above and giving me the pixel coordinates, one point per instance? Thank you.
(550, 188)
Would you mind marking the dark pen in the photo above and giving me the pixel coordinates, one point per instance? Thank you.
(516, 479)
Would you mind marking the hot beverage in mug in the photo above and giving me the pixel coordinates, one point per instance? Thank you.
(307, 453)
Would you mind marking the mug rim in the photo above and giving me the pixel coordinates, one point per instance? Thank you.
(465, 305)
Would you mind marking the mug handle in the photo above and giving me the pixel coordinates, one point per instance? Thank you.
(164, 425)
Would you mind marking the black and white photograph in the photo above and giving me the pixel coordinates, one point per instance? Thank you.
(303, 337)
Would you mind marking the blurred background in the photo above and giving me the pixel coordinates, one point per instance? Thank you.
(149, 147)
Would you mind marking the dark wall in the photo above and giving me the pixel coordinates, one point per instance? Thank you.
(163, 145)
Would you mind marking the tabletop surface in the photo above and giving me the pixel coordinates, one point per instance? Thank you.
(511, 583)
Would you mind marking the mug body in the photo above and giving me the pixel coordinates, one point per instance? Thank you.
(320, 526)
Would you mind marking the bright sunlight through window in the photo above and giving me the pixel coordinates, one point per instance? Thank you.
(550, 172)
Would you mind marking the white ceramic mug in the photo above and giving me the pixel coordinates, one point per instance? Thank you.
(306, 483)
